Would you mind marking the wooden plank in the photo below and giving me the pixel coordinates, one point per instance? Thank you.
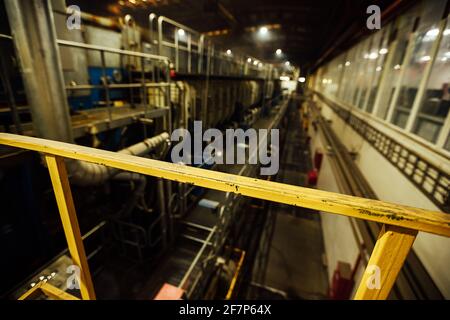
(367, 209)
(61, 187)
(31, 292)
(389, 254)
(48, 290)
(56, 293)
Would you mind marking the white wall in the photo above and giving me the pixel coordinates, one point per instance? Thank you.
(340, 243)
(390, 185)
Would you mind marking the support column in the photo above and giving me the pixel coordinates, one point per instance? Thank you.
(33, 31)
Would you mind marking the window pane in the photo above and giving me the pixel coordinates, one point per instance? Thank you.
(436, 101)
(426, 35)
(404, 28)
(347, 83)
(360, 71)
(378, 55)
(447, 144)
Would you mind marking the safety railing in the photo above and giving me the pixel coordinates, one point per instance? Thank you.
(161, 62)
(400, 223)
(194, 53)
(143, 84)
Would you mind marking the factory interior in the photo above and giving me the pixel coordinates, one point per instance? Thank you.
(224, 150)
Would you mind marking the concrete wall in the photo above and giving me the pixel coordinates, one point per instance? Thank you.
(390, 185)
(339, 240)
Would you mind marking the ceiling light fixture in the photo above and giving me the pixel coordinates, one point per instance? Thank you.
(373, 55)
(263, 30)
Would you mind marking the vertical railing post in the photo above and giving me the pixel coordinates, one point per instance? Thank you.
(61, 188)
(389, 254)
(106, 85)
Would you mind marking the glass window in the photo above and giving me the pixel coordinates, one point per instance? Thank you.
(376, 58)
(404, 29)
(360, 71)
(426, 34)
(346, 84)
(436, 101)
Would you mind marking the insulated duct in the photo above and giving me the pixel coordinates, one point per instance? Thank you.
(87, 173)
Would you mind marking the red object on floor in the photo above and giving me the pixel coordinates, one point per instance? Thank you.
(169, 292)
(342, 283)
(172, 73)
(312, 177)
(318, 156)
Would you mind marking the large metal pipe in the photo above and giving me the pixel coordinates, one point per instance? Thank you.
(33, 31)
(86, 173)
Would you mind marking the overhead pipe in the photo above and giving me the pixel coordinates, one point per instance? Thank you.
(87, 173)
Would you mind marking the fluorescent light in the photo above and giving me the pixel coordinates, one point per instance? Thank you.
(383, 51)
(255, 62)
(287, 63)
(249, 60)
(425, 58)
(373, 55)
(278, 52)
(378, 68)
(229, 52)
(285, 78)
(263, 30)
(260, 64)
(431, 35)
(397, 67)
(301, 79)
(347, 63)
(181, 32)
(432, 32)
(447, 32)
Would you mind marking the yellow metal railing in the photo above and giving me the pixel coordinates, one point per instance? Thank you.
(400, 223)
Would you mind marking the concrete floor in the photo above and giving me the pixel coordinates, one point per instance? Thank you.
(294, 263)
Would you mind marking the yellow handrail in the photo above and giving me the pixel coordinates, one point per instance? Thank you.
(367, 209)
(402, 222)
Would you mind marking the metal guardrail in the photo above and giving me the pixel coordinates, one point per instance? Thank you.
(209, 58)
(401, 223)
(143, 84)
